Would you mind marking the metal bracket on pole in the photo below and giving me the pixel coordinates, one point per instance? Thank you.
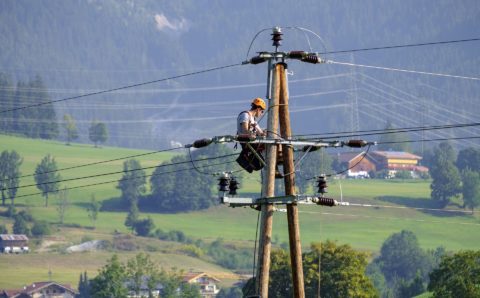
(280, 200)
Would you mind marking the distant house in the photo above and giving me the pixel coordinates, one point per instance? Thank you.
(360, 164)
(48, 289)
(143, 291)
(208, 284)
(357, 163)
(10, 243)
(394, 161)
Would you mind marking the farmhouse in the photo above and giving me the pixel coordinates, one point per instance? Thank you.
(10, 243)
(47, 289)
(358, 164)
(208, 284)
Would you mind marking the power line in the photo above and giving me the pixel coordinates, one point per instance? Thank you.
(119, 172)
(344, 134)
(401, 46)
(120, 88)
(123, 179)
(97, 163)
(404, 70)
(432, 140)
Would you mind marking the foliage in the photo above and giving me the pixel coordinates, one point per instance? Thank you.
(468, 158)
(403, 175)
(446, 181)
(63, 204)
(396, 141)
(471, 189)
(144, 227)
(140, 270)
(20, 226)
(457, 276)
(41, 228)
(70, 127)
(38, 121)
(9, 174)
(46, 177)
(232, 258)
(183, 188)
(230, 293)
(132, 217)
(3, 229)
(83, 286)
(92, 209)
(110, 280)
(98, 133)
(342, 273)
(132, 184)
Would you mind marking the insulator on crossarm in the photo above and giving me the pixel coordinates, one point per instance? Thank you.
(296, 54)
(356, 143)
(234, 185)
(277, 36)
(311, 58)
(224, 183)
(326, 202)
(257, 60)
(201, 143)
(322, 184)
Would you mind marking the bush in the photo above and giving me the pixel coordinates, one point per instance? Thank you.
(193, 251)
(403, 175)
(143, 227)
(40, 228)
(3, 229)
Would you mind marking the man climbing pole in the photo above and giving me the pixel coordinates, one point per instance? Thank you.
(250, 158)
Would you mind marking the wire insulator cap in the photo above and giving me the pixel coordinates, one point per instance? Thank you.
(297, 54)
(257, 60)
(322, 184)
(233, 185)
(356, 143)
(277, 36)
(224, 183)
(311, 58)
(201, 143)
(326, 202)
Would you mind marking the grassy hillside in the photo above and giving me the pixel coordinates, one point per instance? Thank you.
(364, 228)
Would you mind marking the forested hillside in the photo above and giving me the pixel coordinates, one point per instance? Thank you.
(79, 47)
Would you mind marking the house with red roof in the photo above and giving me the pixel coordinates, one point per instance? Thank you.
(45, 289)
(207, 283)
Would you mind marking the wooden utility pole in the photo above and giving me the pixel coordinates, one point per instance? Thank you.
(268, 187)
(289, 171)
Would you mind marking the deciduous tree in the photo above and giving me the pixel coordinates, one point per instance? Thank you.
(9, 175)
(471, 189)
(47, 177)
(446, 181)
(110, 281)
(98, 133)
(70, 127)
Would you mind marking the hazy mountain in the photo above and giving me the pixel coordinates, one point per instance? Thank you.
(80, 47)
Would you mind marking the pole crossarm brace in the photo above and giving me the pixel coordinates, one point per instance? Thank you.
(303, 56)
(281, 200)
(307, 145)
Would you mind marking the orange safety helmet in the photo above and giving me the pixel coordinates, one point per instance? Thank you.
(259, 103)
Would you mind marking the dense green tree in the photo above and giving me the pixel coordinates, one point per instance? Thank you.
(144, 227)
(457, 276)
(471, 189)
(98, 133)
(230, 293)
(401, 257)
(83, 286)
(93, 208)
(393, 141)
(110, 280)
(3, 229)
(142, 270)
(40, 228)
(9, 175)
(132, 217)
(446, 181)
(132, 184)
(46, 177)
(468, 158)
(342, 273)
(20, 225)
(70, 127)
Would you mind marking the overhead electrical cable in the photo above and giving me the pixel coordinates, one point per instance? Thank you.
(120, 172)
(126, 179)
(402, 46)
(121, 88)
(403, 70)
(99, 162)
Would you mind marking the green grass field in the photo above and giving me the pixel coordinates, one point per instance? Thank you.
(364, 228)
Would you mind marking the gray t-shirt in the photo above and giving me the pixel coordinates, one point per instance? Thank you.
(252, 124)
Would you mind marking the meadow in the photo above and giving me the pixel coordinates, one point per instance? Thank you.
(395, 205)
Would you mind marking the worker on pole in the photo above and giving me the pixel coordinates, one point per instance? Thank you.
(247, 126)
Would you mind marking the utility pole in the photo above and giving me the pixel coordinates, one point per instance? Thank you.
(268, 186)
(289, 172)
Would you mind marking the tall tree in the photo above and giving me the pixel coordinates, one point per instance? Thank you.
(63, 204)
(469, 158)
(83, 286)
(132, 184)
(457, 276)
(446, 181)
(46, 177)
(70, 127)
(9, 175)
(98, 133)
(142, 270)
(471, 189)
(47, 126)
(110, 280)
(93, 209)
(393, 141)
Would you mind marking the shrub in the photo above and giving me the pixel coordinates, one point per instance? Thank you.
(40, 228)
